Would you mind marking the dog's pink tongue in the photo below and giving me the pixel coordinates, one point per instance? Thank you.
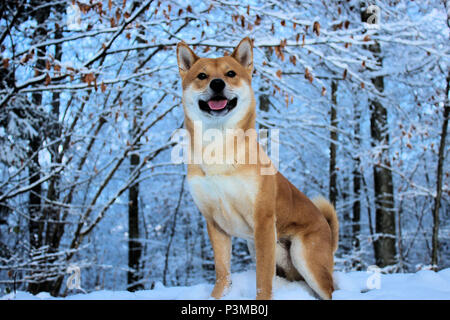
(217, 104)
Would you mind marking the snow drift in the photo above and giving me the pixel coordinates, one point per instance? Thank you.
(423, 285)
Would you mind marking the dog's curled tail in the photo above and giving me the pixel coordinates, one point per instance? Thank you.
(327, 209)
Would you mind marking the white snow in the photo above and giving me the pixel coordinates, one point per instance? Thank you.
(423, 285)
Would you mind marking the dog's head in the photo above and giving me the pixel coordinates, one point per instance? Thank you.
(217, 90)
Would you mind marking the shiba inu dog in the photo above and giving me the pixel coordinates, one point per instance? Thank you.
(287, 233)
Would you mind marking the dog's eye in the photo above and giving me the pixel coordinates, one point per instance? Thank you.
(202, 76)
(231, 74)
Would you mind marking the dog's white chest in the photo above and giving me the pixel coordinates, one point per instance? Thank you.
(228, 200)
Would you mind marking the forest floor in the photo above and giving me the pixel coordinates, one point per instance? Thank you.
(422, 285)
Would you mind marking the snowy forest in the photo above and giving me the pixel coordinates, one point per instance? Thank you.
(90, 96)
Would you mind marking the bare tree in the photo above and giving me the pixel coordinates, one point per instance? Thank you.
(356, 172)
(441, 158)
(385, 242)
(333, 143)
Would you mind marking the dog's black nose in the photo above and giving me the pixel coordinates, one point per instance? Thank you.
(217, 85)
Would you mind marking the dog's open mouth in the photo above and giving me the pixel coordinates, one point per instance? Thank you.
(218, 105)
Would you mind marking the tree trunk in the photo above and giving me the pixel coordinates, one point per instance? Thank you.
(356, 207)
(437, 199)
(172, 232)
(385, 239)
(52, 212)
(134, 245)
(36, 223)
(385, 250)
(264, 98)
(333, 145)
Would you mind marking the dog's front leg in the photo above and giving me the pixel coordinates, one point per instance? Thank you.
(221, 243)
(265, 242)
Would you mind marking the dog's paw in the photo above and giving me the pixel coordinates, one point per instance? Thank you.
(221, 289)
(264, 296)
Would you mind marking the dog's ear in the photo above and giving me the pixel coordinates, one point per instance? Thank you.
(186, 58)
(243, 53)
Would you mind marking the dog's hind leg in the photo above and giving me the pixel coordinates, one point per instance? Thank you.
(284, 266)
(312, 256)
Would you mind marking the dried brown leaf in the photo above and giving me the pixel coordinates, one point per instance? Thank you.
(279, 73)
(47, 79)
(316, 28)
(257, 20)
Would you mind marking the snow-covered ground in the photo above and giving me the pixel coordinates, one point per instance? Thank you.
(422, 285)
